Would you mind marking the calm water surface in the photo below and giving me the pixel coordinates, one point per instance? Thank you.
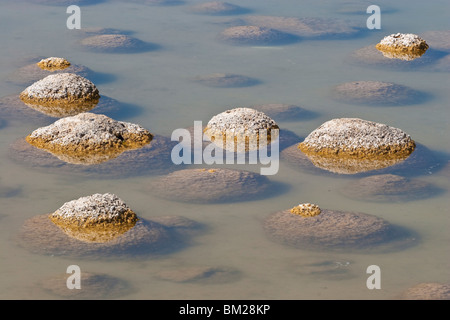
(159, 84)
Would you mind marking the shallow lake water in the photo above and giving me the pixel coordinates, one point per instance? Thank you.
(158, 86)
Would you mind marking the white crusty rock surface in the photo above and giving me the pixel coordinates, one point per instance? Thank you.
(61, 87)
(53, 63)
(94, 209)
(357, 137)
(402, 42)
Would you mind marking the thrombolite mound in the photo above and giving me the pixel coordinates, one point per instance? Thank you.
(152, 159)
(312, 27)
(422, 161)
(31, 73)
(89, 138)
(218, 8)
(63, 90)
(336, 231)
(329, 268)
(285, 112)
(53, 63)
(213, 185)
(100, 225)
(13, 109)
(7, 191)
(94, 286)
(199, 274)
(254, 36)
(377, 93)
(352, 145)
(225, 80)
(115, 43)
(404, 46)
(388, 188)
(241, 129)
(427, 291)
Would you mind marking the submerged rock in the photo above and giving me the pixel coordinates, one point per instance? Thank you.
(376, 93)
(95, 286)
(241, 129)
(305, 27)
(89, 138)
(100, 225)
(225, 80)
(60, 91)
(159, 2)
(427, 291)
(211, 185)
(115, 43)
(217, 8)
(388, 188)
(335, 231)
(199, 274)
(323, 268)
(254, 35)
(285, 112)
(53, 63)
(66, 2)
(151, 159)
(402, 46)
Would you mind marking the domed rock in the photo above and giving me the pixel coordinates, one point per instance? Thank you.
(225, 80)
(59, 91)
(89, 138)
(100, 225)
(285, 112)
(327, 269)
(241, 129)
(53, 63)
(159, 2)
(335, 231)
(402, 46)
(213, 185)
(115, 43)
(66, 2)
(31, 73)
(376, 93)
(351, 145)
(387, 188)
(217, 8)
(93, 286)
(152, 159)
(427, 291)
(305, 27)
(254, 35)
(199, 274)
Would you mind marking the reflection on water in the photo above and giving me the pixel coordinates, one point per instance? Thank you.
(235, 258)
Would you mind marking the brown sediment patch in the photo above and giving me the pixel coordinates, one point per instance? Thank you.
(53, 63)
(427, 291)
(403, 46)
(95, 286)
(212, 185)
(225, 80)
(335, 230)
(376, 93)
(89, 138)
(387, 188)
(199, 274)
